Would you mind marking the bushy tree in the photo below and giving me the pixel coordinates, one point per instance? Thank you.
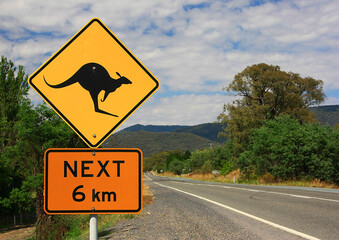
(176, 166)
(26, 132)
(13, 91)
(198, 158)
(38, 129)
(223, 159)
(207, 167)
(267, 92)
(156, 161)
(176, 155)
(289, 150)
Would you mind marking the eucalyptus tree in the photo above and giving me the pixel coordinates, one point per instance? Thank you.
(267, 92)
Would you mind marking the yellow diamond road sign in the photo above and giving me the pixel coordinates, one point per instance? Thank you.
(94, 82)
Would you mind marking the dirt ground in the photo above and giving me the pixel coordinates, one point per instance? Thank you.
(18, 233)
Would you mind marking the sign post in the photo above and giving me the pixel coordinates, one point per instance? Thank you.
(93, 227)
(94, 83)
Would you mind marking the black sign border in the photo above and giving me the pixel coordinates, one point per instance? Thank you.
(128, 211)
(30, 80)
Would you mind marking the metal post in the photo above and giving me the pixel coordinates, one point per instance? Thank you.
(93, 227)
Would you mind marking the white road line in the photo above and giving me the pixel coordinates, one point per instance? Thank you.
(289, 230)
(263, 191)
(286, 194)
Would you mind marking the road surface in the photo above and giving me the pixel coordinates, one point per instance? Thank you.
(188, 209)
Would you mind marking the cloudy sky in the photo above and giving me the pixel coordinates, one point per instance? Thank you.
(193, 47)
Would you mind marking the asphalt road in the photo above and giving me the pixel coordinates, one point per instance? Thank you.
(188, 209)
(302, 212)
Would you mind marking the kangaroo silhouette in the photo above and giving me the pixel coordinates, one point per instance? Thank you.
(94, 78)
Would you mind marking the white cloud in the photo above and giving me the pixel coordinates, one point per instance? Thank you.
(35, 98)
(182, 110)
(331, 101)
(193, 50)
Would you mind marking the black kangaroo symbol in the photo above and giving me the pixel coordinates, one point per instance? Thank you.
(94, 78)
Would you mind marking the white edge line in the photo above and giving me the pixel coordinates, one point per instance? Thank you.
(289, 230)
(263, 191)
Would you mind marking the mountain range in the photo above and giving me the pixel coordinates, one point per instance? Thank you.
(156, 138)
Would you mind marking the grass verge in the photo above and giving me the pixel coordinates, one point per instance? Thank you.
(235, 177)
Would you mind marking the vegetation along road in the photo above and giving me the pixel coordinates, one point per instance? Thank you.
(188, 209)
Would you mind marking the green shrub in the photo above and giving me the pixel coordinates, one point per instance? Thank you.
(198, 158)
(176, 166)
(288, 150)
(226, 167)
(207, 167)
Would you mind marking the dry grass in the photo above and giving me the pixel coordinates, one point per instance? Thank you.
(303, 183)
(147, 195)
(229, 178)
(267, 179)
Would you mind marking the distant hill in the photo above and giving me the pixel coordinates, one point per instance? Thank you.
(154, 128)
(206, 130)
(326, 114)
(154, 142)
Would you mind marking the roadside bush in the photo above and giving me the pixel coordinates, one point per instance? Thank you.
(176, 155)
(207, 167)
(227, 162)
(176, 166)
(198, 158)
(288, 150)
(156, 162)
(267, 178)
(226, 167)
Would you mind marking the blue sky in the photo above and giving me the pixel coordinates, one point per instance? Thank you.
(193, 47)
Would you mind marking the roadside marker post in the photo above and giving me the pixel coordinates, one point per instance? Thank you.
(94, 83)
